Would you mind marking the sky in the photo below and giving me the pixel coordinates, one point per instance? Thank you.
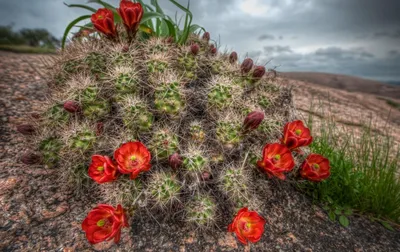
(354, 37)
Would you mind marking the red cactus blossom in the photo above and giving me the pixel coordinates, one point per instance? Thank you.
(104, 223)
(253, 120)
(276, 160)
(131, 14)
(72, 106)
(315, 168)
(26, 129)
(30, 158)
(133, 158)
(246, 66)
(258, 72)
(248, 226)
(206, 36)
(103, 21)
(194, 48)
(233, 57)
(175, 161)
(102, 169)
(296, 135)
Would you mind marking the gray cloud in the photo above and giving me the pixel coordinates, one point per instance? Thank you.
(266, 37)
(278, 49)
(352, 37)
(385, 34)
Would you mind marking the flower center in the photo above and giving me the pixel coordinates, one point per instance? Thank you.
(277, 157)
(297, 132)
(101, 223)
(316, 166)
(100, 168)
(133, 161)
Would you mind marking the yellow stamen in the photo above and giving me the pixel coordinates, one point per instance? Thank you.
(316, 166)
(133, 158)
(100, 168)
(277, 157)
(101, 223)
(298, 132)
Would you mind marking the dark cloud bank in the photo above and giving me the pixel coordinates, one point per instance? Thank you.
(356, 37)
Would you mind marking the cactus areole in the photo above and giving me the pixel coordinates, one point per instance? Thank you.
(165, 123)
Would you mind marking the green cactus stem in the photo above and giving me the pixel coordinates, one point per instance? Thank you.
(164, 144)
(201, 211)
(168, 99)
(50, 149)
(83, 140)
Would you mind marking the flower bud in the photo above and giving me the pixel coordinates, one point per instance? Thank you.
(205, 176)
(253, 120)
(246, 66)
(26, 129)
(72, 106)
(194, 48)
(35, 115)
(258, 72)
(206, 36)
(213, 50)
(30, 158)
(170, 40)
(175, 161)
(99, 128)
(125, 49)
(233, 57)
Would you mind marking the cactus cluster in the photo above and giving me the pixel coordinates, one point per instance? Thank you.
(187, 103)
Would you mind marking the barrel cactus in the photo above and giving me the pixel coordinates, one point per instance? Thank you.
(197, 111)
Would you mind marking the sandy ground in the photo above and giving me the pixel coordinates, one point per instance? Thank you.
(37, 214)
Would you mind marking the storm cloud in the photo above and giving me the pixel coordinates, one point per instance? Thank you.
(358, 37)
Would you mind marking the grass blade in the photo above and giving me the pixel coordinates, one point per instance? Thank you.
(70, 26)
(80, 6)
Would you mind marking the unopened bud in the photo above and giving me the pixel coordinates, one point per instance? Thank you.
(170, 40)
(99, 128)
(258, 72)
(26, 129)
(175, 161)
(233, 57)
(246, 66)
(213, 50)
(206, 36)
(30, 158)
(194, 48)
(72, 106)
(125, 49)
(253, 120)
(205, 176)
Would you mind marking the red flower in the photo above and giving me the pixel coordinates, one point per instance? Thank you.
(102, 169)
(133, 158)
(253, 120)
(104, 223)
(131, 14)
(295, 135)
(276, 160)
(103, 21)
(248, 226)
(315, 168)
